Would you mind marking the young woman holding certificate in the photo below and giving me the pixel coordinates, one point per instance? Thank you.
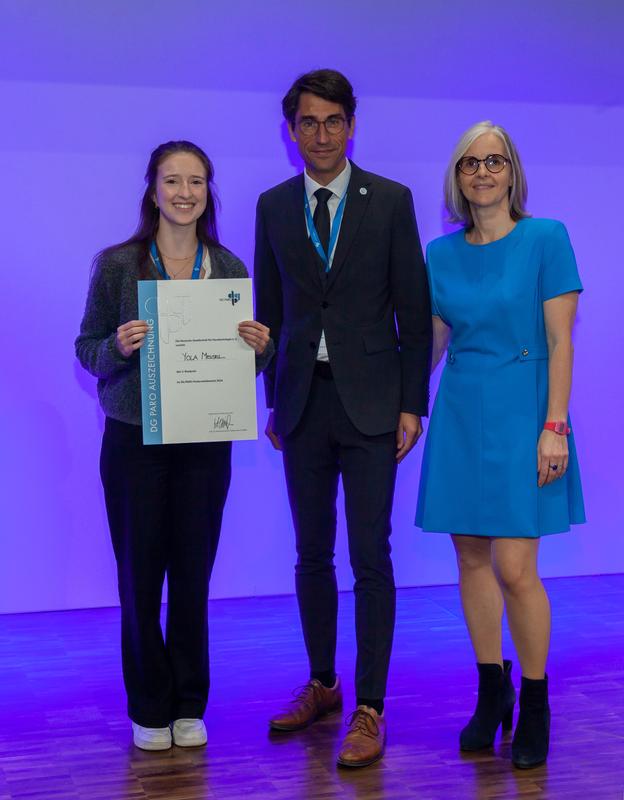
(164, 502)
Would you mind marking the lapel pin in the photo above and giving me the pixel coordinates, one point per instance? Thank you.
(363, 190)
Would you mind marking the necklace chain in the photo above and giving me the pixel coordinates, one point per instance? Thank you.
(175, 274)
(173, 258)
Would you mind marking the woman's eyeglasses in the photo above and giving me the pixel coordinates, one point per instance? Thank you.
(493, 163)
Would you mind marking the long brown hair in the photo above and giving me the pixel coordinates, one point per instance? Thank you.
(149, 215)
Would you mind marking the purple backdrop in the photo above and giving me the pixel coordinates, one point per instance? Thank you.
(88, 89)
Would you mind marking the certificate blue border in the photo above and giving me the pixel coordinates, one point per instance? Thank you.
(151, 403)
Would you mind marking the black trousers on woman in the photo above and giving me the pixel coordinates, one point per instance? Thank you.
(164, 505)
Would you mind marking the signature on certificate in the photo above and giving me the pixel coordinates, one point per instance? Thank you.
(222, 422)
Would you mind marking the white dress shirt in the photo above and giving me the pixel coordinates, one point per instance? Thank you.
(338, 188)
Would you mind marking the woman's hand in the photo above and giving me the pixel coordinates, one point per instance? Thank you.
(130, 336)
(552, 457)
(255, 334)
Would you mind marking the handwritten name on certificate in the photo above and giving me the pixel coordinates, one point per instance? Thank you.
(198, 377)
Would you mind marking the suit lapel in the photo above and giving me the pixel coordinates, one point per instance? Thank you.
(358, 196)
(294, 220)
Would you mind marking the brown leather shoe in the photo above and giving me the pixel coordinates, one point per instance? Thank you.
(311, 702)
(366, 740)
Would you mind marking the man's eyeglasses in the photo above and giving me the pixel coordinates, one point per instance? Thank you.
(308, 126)
(493, 163)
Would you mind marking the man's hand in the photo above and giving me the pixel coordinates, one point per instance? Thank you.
(409, 431)
(273, 437)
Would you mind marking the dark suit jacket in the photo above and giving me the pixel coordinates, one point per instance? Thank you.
(373, 305)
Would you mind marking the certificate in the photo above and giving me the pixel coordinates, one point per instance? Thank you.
(198, 377)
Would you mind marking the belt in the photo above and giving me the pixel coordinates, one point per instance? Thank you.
(322, 369)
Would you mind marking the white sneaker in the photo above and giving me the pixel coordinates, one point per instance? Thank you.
(151, 738)
(189, 732)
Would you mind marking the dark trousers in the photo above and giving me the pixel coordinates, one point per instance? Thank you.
(323, 446)
(164, 506)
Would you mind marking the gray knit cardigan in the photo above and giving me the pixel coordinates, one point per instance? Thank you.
(111, 301)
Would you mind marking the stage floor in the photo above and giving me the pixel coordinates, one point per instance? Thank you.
(65, 734)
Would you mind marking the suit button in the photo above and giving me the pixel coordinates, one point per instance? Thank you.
(525, 352)
(312, 346)
(324, 304)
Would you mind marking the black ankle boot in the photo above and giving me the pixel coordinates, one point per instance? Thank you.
(530, 742)
(494, 706)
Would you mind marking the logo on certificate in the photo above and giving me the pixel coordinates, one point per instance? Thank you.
(234, 297)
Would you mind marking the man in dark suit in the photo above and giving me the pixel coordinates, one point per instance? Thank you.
(340, 281)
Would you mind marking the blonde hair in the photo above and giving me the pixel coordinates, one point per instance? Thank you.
(457, 205)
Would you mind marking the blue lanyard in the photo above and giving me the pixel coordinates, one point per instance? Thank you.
(335, 228)
(163, 271)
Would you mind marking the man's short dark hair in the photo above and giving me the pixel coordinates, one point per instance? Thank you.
(326, 83)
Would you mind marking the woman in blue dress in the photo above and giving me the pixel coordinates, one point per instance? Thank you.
(500, 468)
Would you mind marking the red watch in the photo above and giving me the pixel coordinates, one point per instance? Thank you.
(561, 428)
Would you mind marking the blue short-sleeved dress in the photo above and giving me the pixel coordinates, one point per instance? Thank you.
(479, 472)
